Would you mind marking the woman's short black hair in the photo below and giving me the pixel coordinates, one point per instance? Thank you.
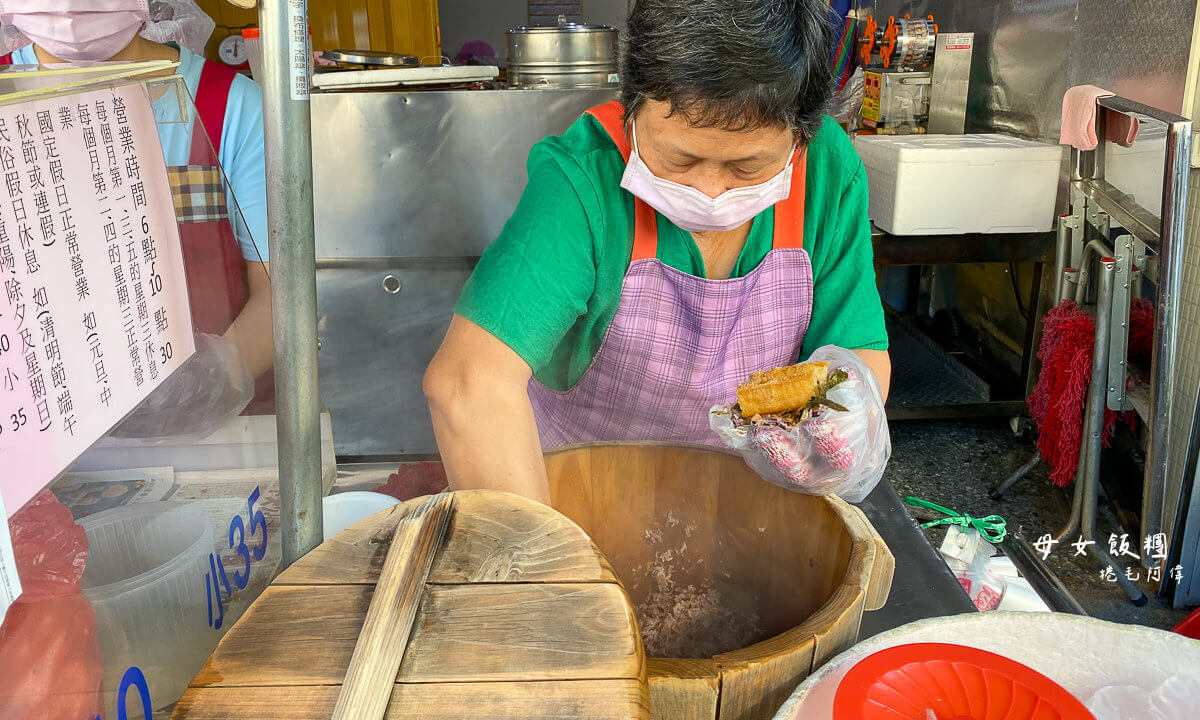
(733, 64)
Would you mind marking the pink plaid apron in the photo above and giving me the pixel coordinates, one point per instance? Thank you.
(679, 344)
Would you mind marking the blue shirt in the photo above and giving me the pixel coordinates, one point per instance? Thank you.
(242, 147)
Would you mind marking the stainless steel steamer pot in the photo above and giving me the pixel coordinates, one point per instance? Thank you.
(564, 55)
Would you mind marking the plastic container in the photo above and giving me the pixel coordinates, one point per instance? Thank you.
(906, 682)
(954, 184)
(344, 509)
(145, 579)
(253, 52)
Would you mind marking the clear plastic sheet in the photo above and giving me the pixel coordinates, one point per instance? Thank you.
(186, 448)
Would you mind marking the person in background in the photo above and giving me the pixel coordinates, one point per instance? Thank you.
(712, 224)
(223, 226)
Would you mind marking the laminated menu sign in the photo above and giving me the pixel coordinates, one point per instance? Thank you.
(94, 309)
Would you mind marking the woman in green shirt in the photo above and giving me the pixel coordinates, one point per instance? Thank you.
(710, 225)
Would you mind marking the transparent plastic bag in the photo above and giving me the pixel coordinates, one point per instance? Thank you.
(1175, 699)
(207, 391)
(179, 21)
(848, 100)
(833, 452)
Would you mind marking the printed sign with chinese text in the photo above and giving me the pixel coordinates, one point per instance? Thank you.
(94, 308)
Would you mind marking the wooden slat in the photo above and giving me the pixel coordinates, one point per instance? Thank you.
(304, 635)
(568, 700)
(838, 624)
(353, 556)
(494, 537)
(300, 635)
(385, 633)
(259, 703)
(754, 689)
(683, 689)
(883, 567)
(499, 538)
(503, 632)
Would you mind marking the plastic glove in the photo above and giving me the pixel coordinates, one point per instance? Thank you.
(204, 393)
(832, 451)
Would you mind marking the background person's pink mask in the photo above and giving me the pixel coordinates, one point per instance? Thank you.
(77, 30)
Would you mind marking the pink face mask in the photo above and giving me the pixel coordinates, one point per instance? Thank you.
(77, 30)
(694, 211)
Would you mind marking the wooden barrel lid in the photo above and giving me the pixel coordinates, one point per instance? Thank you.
(521, 617)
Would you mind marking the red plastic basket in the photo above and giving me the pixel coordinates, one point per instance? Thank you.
(955, 682)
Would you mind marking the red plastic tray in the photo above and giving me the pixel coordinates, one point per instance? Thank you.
(955, 681)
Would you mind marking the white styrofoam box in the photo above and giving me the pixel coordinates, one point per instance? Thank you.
(954, 184)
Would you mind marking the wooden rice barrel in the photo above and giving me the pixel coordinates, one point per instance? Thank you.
(804, 568)
(521, 617)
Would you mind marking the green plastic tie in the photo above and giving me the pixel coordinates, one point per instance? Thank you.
(992, 528)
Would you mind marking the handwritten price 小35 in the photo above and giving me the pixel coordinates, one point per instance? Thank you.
(216, 577)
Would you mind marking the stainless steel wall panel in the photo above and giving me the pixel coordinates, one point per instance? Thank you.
(413, 186)
(375, 346)
(427, 174)
(1028, 52)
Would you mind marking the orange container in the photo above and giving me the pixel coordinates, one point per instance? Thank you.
(399, 26)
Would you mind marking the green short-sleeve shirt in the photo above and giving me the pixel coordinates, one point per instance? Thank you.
(550, 284)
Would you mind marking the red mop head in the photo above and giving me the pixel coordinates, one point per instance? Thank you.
(1057, 402)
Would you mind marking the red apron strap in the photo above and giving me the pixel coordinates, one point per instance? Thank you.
(789, 212)
(212, 96)
(611, 117)
(6, 59)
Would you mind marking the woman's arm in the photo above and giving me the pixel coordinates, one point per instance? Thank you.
(880, 364)
(251, 329)
(478, 399)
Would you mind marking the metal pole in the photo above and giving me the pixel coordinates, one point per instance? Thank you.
(1062, 254)
(1070, 276)
(997, 492)
(1166, 319)
(284, 28)
(1093, 439)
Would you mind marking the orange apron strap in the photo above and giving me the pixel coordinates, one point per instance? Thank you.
(789, 213)
(611, 117)
(645, 231)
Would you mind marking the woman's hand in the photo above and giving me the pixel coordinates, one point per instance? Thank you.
(477, 389)
(841, 450)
